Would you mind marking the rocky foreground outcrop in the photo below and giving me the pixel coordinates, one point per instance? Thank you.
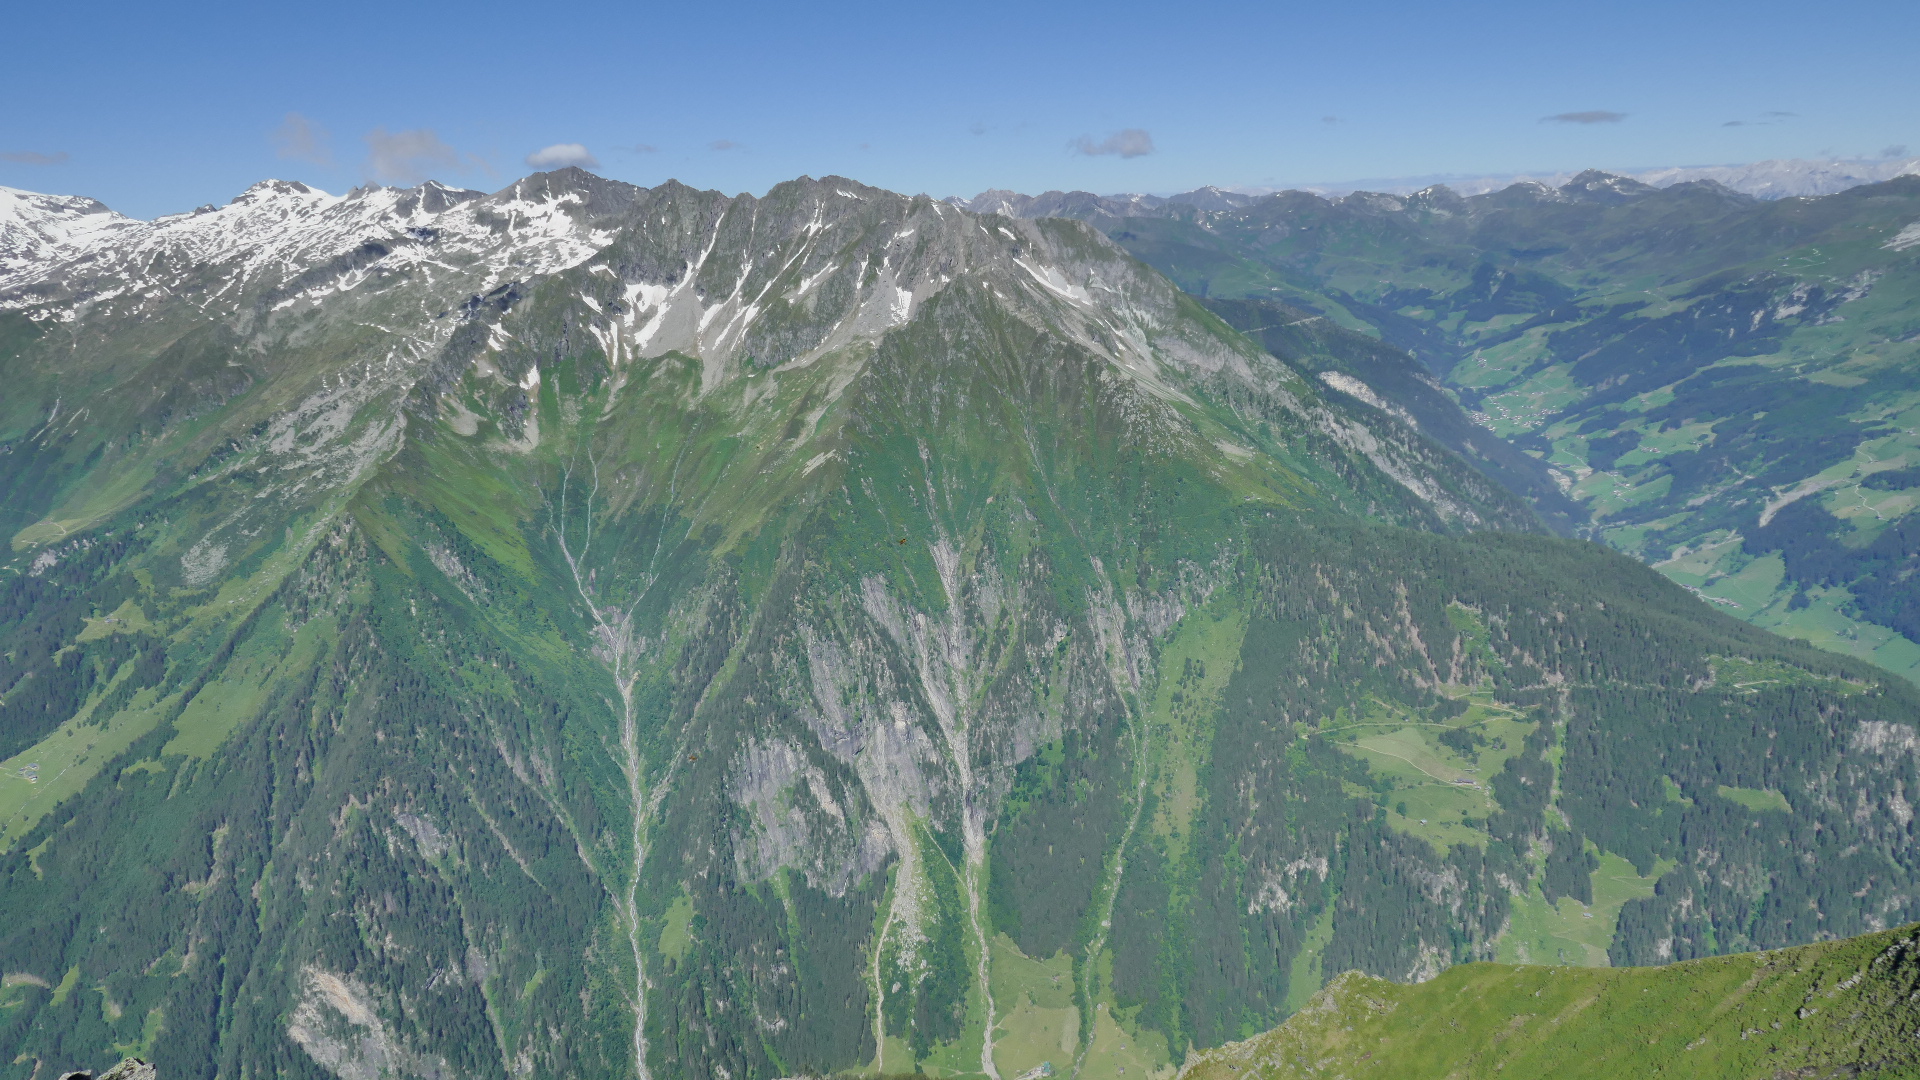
(129, 1069)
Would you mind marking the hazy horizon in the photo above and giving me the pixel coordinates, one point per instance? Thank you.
(155, 111)
(1469, 183)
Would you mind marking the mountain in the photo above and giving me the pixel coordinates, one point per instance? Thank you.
(1720, 383)
(587, 628)
(1789, 177)
(1837, 1009)
(1779, 178)
(1395, 385)
(1085, 205)
(39, 230)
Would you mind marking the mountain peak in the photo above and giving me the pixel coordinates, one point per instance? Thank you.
(37, 230)
(1210, 198)
(1375, 201)
(1436, 199)
(279, 187)
(1594, 185)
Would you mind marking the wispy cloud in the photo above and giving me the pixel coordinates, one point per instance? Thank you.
(1772, 116)
(1594, 116)
(1331, 120)
(639, 148)
(1895, 151)
(300, 139)
(1129, 143)
(561, 155)
(977, 128)
(723, 144)
(408, 157)
(33, 157)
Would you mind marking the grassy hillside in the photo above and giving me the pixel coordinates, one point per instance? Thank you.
(1848, 1008)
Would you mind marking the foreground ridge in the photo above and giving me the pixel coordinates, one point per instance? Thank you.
(1839, 1008)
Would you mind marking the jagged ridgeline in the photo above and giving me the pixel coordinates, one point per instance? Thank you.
(597, 629)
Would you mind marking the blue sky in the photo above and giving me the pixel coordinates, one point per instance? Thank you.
(158, 108)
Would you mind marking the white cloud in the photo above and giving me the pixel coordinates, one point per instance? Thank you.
(300, 139)
(408, 157)
(1130, 143)
(561, 155)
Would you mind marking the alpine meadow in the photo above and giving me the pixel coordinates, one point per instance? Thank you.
(600, 630)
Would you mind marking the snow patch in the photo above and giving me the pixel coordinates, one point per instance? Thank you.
(1905, 238)
(1056, 282)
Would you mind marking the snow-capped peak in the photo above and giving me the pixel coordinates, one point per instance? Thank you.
(38, 230)
(277, 230)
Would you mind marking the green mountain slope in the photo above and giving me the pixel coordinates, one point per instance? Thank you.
(1722, 384)
(649, 632)
(1836, 1009)
(1393, 384)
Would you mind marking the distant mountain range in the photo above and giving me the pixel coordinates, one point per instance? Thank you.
(1776, 179)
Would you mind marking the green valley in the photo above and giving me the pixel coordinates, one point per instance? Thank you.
(1716, 385)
